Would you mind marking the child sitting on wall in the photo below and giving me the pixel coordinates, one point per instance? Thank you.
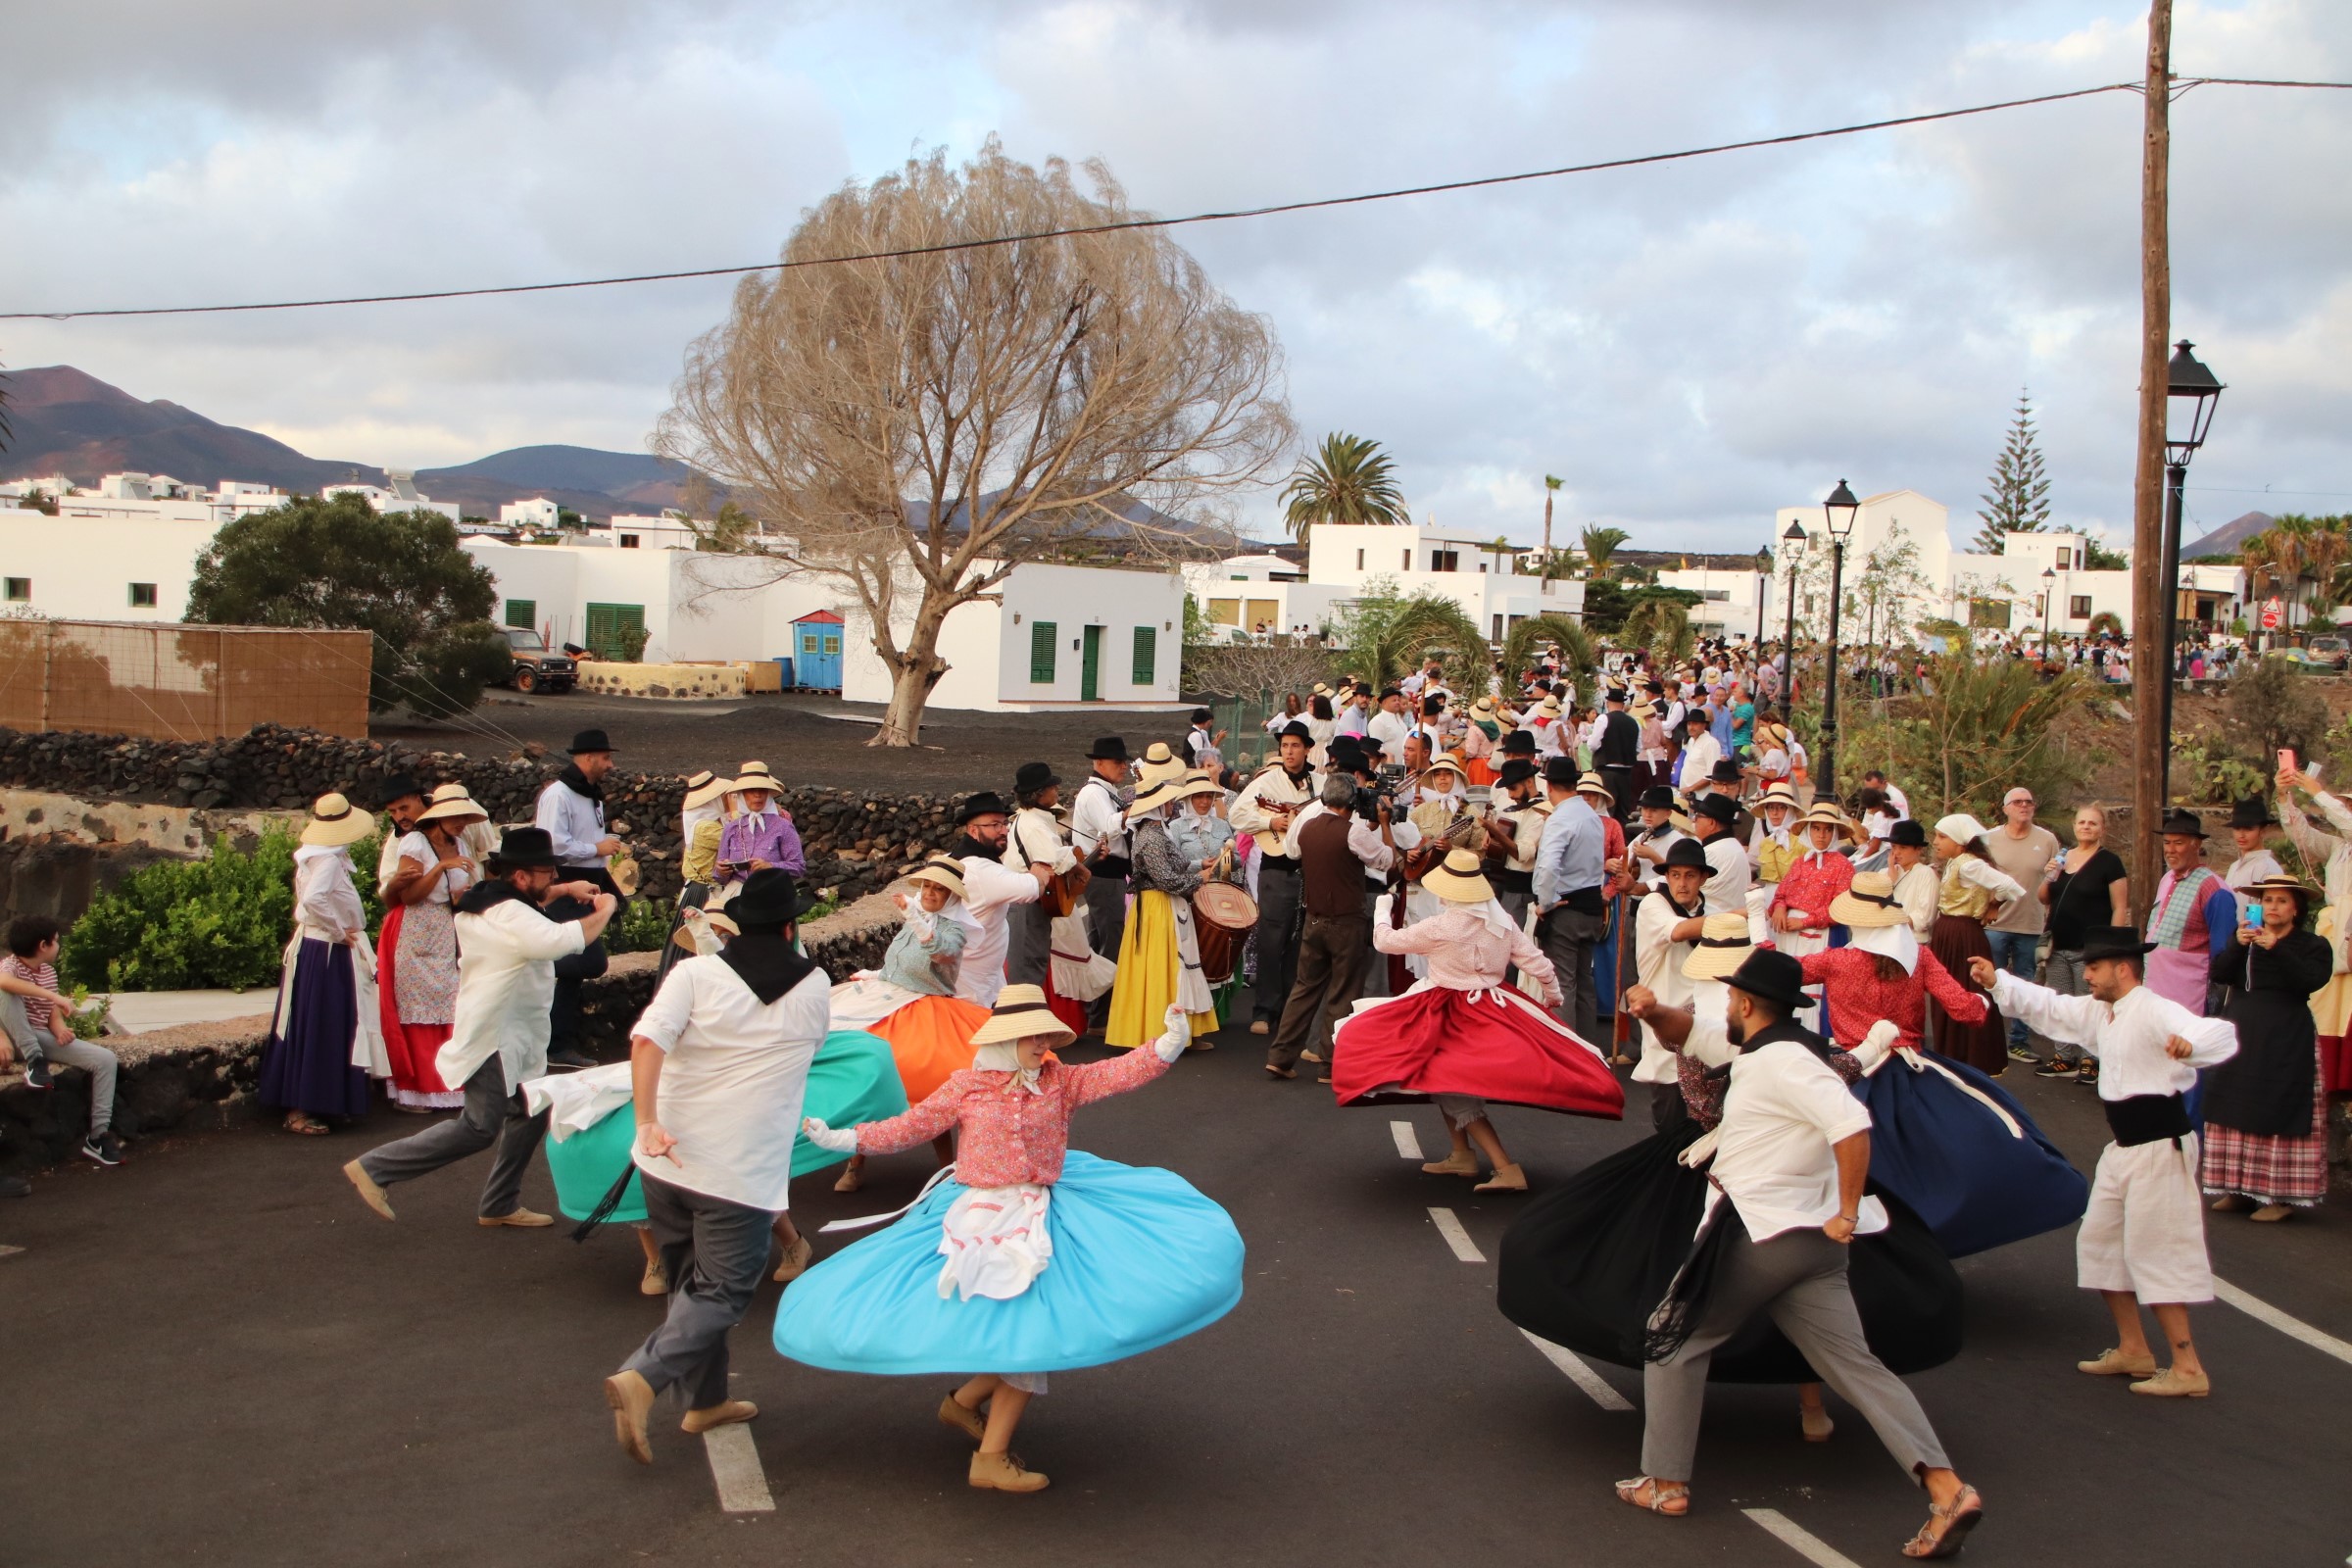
(36, 1020)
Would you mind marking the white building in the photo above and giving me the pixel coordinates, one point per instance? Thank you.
(1247, 593)
(536, 512)
(399, 493)
(93, 564)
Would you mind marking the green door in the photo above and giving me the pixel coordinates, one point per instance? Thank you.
(1090, 667)
(616, 631)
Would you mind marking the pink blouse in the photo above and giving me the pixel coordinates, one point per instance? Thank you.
(1010, 1136)
(1812, 881)
(1465, 953)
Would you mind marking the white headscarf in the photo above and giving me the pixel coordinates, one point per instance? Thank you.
(1897, 942)
(1005, 1055)
(1492, 914)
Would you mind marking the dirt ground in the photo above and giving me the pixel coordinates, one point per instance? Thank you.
(2195, 713)
(806, 740)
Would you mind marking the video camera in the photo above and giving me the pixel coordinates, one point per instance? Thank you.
(1389, 785)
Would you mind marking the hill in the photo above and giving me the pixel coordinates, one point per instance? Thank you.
(2224, 540)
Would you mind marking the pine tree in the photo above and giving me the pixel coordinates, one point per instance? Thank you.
(2020, 498)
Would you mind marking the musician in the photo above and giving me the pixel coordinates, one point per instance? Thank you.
(1099, 835)
(1034, 839)
(1649, 845)
(1267, 809)
(1513, 828)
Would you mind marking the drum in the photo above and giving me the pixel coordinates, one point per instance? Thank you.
(1225, 916)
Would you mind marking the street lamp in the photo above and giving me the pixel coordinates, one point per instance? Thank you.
(2049, 591)
(1792, 550)
(2191, 394)
(1839, 508)
(1763, 573)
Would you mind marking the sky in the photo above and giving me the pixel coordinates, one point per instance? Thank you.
(1688, 347)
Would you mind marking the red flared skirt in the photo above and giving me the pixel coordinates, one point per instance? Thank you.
(1495, 1045)
(411, 1048)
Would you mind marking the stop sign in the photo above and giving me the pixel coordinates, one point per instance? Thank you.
(2270, 611)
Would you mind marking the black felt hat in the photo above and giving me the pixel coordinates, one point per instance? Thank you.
(521, 849)
(1687, 851)
(988, 803)
(2113, 942)
(2252, 812)
(1726, 771)
(1561, 770)
(591, 740)
(2181, 824)
(770, 896)
(1517, 770)
(1519, 743)
(397, 787)
(1296, 731)
(1030, 778)
(1109, 748)
(1909, 832)
(1658, 798)
(1774, 977)
(1716, 808)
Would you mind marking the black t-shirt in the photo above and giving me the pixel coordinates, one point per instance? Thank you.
(2080, 900)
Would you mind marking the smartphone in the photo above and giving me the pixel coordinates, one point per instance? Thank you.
(2286, 760)
(2252, 915)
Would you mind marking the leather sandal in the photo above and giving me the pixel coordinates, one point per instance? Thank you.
(1664, 1496)
(1964, 1512)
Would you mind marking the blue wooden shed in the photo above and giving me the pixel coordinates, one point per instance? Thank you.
(816, 651)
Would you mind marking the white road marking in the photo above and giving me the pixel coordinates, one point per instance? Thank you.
(1577, 1373)
(1455, 1237)
(1797, 1539)
(2294, 1328)
(1409, 1147)
(735, 1466)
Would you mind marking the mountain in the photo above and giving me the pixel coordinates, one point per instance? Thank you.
(2224, 540)
(67, 421)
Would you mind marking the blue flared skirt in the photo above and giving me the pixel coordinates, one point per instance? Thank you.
(1139, 1259)
(853, 1079)
(309, 1067)
(1976, 1184)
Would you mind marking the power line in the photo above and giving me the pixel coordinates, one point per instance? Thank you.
(1122, 226)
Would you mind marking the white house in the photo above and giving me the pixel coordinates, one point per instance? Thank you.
(536, 512)
(1249, 592)
(399, 493)
(1413, 558)
(94, 565)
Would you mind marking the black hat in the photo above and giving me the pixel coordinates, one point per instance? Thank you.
(1516, 770)
(1909, 832)
(397, 787)
(1386, 692)
(1561, 770)
(1616, 693)
(1696, 713)
(1687, 851)
(590, 740)
(1726, 771)
(1658, 798)
(1772, 976)
(1030, 778)
(521, 849)
(988, 803)
(1296, 731)
(770, 896)
(1344, 745)
(1716, 808)
(1519, 743)
(1109, 748)
(2252, 812)
(2182, 823)
(2113, 942)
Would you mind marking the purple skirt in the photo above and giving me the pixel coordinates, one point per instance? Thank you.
(309, 1067)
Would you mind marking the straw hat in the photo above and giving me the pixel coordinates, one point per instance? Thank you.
(715, 919)
(453, 800)
(1201, 781)
(1593, 784)
(1723, 946)
(1459, 880)
(1828, 814)
(335, 821)
(1445, 763)
(2284, 883)
(1549, 707)
(1869, 902)
(1779, 794)
(944, 870)
(1159, 765)
(756, 776)
(1021, 1012)
(1484, 708)
(1155, 794)
(707, 789)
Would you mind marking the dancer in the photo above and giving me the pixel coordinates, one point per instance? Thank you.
(1671, 919)
(507, 952)
(2266, 1108)
(1159, 956)
(991, 891)
(417, 966)
(1514, 829)
(2143, 1237)
(1056, 1260)
(1916, 882)
(1799, 906)
(701, 823)
(1463, 1036)
(328, 1038)
(1970, 896)
(719, 1063)
(1790, 1160)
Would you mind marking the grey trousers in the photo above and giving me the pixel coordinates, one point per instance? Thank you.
(1798, 1277)
(1329, 953)
(1106, 924)
(715, 1252)
(1277, 938)
(2064, 972)
(1029, 943)
(96, 1060)
(490, 1115)
(1567, 939)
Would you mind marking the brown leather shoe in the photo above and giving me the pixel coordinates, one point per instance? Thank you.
(1273, 1071)
(795, 1260)
(1464, 1163)
(370, 1194)
(1506, 1178)
(2173, 1383)
(2114, 1363)
(1003, 1472)
(521, 1218)
(632, 1400)
(971, 1423)
(724, 1414)
(655, 1281)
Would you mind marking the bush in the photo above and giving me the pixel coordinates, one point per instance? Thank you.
(644, 925)
(188, 924)
(1981, 729)
(2271, 705)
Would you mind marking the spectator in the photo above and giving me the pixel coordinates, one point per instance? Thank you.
(2029, 854)
(37, 1020)
(2092, 889)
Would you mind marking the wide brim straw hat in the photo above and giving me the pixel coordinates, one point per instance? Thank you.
(1158, 794)
(1867, 903)
(1549, 707)
(945, 872)
(461, 805)
(1445, 763)
(1160, 764)
(1777, 795)
(1484, 708)
(756, 776)
(1826, 814)
(1722, 945)
(717, 919)
(707, 788)
(2283, 884)
(1459, 880)
(1199, 781)
(335, 821)
(1595, 784)
(1021, 1012)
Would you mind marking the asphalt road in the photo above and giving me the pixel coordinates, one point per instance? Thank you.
(216, 1354)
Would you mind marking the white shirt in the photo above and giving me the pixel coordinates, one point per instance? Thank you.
(1363, 838)
(1250, 811)
(989, 888)
(1916, 891)
(1783, 1110)
(1700, 758)
(733, 1072)
(1035, 837)
(1896, 799)
(1097, 817)
(505, 983)
(2128, 1038)
(1390, 729)
(327, 901)
(1726, 890)
(574, 822)
(1659, 965)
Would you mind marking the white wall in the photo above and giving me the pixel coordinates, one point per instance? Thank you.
(81, 567)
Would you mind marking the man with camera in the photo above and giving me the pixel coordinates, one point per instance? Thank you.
(1350, 833)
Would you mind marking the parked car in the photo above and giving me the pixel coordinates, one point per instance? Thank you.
(2336, 651)
(537, 669)
(2304, 659)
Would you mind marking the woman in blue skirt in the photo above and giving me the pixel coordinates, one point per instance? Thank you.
(1036, 1258)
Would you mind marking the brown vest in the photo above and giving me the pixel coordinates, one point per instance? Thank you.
(1331, 878)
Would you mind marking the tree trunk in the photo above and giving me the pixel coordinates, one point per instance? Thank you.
(2149, 666)
(914, 671)
(1547, 533)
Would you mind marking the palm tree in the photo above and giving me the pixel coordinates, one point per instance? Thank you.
(1599, 544)
(1387, 636)
(1660, 625)
(1578, 655)
(1498, 549)
(1349, 480)
(1551, 487)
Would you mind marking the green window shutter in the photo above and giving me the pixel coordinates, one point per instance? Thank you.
(1147, 655)
(1041, 636)
(524, 613)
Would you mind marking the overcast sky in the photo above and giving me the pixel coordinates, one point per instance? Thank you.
(1688, 347)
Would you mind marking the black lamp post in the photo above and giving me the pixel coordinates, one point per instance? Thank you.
(1763, 575)
(1792, 550)
(1840, 509)
(2049, 591)
(2191, 395)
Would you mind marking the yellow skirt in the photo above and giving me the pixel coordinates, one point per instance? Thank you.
(1150, 970)
(2332, 1004)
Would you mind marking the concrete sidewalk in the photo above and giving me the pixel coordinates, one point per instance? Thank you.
(139, 1012)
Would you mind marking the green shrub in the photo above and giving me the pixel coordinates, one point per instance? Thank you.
(643, 927)
(188, 924)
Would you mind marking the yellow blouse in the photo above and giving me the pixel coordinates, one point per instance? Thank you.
(1972, 886)
(701, 862)
(1773, 860)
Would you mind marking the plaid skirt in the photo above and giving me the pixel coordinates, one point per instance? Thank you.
(2270, 1170)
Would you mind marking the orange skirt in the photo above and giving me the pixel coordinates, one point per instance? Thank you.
(1479, 771)
(931, 1040)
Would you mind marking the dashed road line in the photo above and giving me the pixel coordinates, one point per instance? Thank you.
(1797, 1539)
(1580, 1374)
(2294, 1328)
(1409, 1144)
(1455, 1237)
(735, 1466)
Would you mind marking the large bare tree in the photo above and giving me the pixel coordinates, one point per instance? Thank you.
(914, 427)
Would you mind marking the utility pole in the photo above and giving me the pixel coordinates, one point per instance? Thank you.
(2149, 672)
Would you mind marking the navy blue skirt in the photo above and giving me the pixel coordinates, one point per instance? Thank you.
(1977, 1183)
(309, 1068)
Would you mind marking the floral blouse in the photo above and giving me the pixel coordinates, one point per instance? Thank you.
(1703, 1087)
(1858, 997)
(1159, 866)
(1007, 1134)
(1810, 883)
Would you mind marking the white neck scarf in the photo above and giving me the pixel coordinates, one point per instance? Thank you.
(1005, 1055)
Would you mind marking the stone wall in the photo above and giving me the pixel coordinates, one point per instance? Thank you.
(855, 842)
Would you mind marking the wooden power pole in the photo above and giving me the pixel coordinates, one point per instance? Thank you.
(2148, 587)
